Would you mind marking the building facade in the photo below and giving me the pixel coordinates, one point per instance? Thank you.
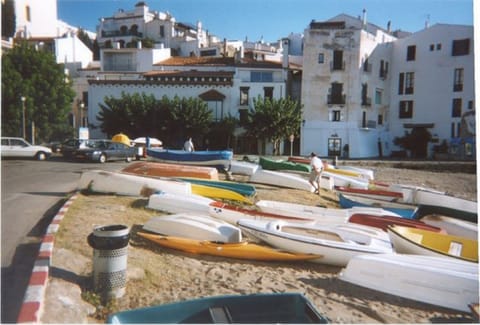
(432, 80)
(345, 88)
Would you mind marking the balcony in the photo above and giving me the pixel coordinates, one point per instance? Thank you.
(458, 87)
(337, 66)
(370, 124)
(117, 33)
(366, 101)
(336, 99)
(367, 67)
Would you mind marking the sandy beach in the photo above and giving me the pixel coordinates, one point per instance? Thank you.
(157, 275)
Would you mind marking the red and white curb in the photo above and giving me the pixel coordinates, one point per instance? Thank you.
(32, 306)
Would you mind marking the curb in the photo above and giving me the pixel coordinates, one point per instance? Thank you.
(32, 307)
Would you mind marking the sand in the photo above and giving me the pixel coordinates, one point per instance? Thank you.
(157, 275)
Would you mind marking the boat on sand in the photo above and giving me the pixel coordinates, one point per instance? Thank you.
(336, 243)
(243, 250)
(150, 168)
(434, 280)
(194, 226)
(260, 308)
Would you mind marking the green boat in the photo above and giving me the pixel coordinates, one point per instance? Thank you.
(271, 308)
(247, 190)
(272, 164)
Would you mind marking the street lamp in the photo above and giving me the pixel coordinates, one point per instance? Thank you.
(82, 106)
(23, 116)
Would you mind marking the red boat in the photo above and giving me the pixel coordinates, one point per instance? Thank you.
(383, 222)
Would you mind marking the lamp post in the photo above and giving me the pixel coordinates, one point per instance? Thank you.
(82, 106)
(23, 116)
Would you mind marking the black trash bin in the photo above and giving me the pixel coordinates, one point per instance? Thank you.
(110, 244)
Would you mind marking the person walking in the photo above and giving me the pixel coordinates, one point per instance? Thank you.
(316, 165)
(188, 145)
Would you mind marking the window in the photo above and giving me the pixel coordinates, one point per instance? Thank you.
(411, 53)
(380, 119)
(336, 94)
(406, 109)
(458, 79)
(244, 95)
(337, 60)
(401, 78)
(366, 101)
(27, 14)
(432, 47)
(367, 67)
(439, 46)
(335, 116)
(261, 76)
(409, 82)
(383, 69)
(321, 58)
(461, 47)
(470, 104)
(216, 107)
(268, 92)
(457, 107)
(162, 31)
(378, 97)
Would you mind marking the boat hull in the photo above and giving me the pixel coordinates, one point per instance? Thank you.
(194, 226)
(174, 203)
(406, 240)
(243, 250)
(336, 244)
(262, 308)
(434, 280)
(272, 164)
(150, 168)
(280, 179)
(219, 159)
(405, 210)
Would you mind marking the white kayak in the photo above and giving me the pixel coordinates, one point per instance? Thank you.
(337, 244)
(434, 280)
(175, 203)
(123, 184)
(194, 226)
(281, 179)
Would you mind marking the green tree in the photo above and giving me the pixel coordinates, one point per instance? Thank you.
(35, 75)
(416, 142)
(83, 36)
(274, 120)
(221, 133)
(142, 115)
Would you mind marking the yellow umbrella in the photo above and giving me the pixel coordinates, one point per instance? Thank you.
(122, 138)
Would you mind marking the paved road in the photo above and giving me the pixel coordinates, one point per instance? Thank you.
(32, 193)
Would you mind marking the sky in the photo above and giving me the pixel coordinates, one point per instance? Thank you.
(274, 19)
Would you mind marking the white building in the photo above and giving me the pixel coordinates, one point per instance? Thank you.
(363, 87)
(345, 88)
(127, 28)
(228, 85)
(432, 77)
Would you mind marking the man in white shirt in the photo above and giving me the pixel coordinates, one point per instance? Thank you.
(315, 175)
(188, 145)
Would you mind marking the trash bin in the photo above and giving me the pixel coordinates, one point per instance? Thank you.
(110, 245)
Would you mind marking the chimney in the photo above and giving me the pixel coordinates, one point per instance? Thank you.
(225, 47)
(389, 26)
(364, 18)
(427, 22)
(286, 50)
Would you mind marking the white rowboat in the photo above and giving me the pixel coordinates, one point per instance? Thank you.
(174, 203)
(199, 227)
(433, 280)
(336, 243)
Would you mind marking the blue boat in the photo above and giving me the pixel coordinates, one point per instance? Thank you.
(247, 309)
(217, 158)
(407, 211)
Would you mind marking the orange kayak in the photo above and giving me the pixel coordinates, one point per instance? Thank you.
(143, 168)
(241, 250)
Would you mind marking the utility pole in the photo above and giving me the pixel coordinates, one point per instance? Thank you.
(23, 117)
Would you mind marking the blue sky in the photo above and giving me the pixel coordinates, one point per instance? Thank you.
(274, 19)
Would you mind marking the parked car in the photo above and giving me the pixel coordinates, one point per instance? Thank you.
(19, 148)
(107, 150)
(71, 146)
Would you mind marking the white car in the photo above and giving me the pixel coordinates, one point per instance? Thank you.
(19, 148)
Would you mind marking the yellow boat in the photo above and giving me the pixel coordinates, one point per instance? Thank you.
(416, 241)
(218, 193)
(242, 250)
(343, 172)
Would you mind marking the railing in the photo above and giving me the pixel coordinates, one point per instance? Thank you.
(337, 66)
(367, 67)
(370, 124)
(115, 33)
(336, 99)
(366, 101)
(458, 87)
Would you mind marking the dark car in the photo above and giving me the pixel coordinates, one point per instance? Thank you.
(70, 146)
(106, 150)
